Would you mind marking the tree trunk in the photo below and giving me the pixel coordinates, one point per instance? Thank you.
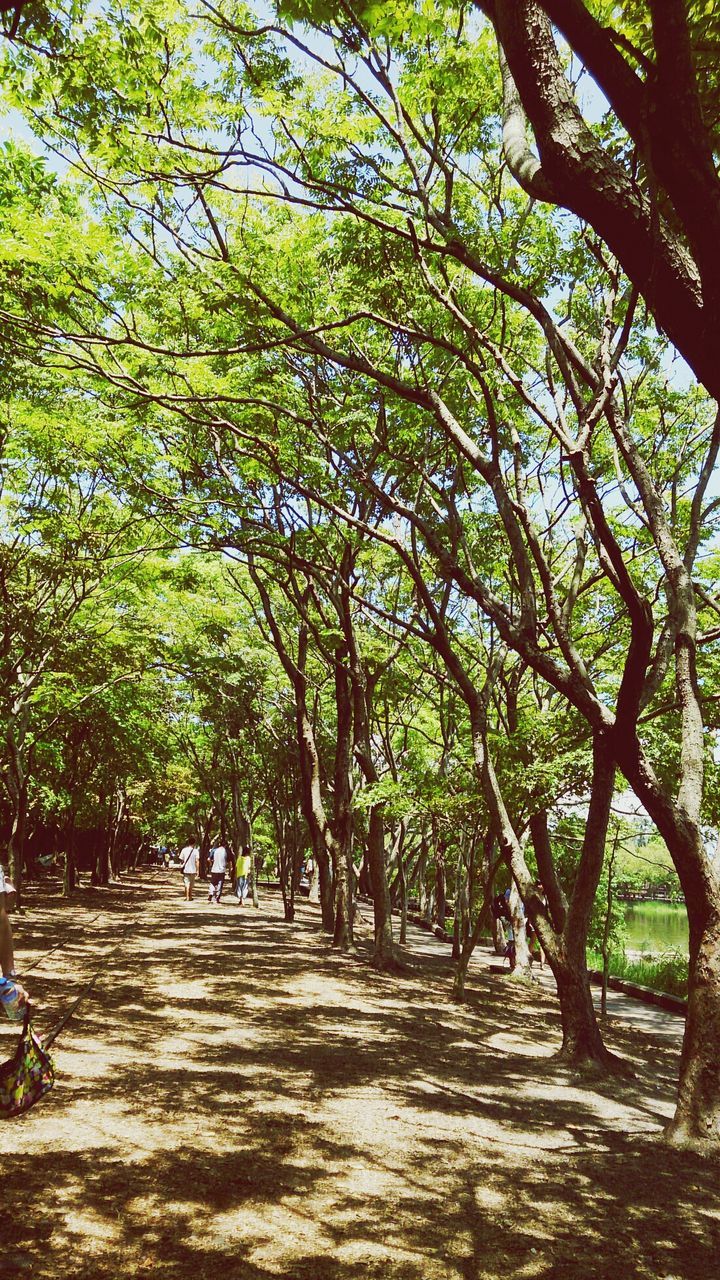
(343, 932)
(69, 873)
(384, 957)
(311, 789)
(253, 869)
(522, 964)
(402, 884)
(312, 802)
(343, 872)
(605, 946)
(287, 885)
(327, 896)
(582, 1044)
(102, 868)
(418, 879)
(499, 939)
(361, 692)
(463, 959)
(565, 950)
(18, 825)
(205, 841)
(472, 936)
(696, 1123)
(364, 878)
(440, 884)
(241, 825)
(113, 852)
(286, 862)
(460, 923)
(17, 785)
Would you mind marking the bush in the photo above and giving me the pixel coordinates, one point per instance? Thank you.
(667, 972)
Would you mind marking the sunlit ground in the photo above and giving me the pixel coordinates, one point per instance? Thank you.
(237, 1102)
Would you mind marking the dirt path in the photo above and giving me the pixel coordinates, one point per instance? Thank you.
(236, 1102)
(626, 1010)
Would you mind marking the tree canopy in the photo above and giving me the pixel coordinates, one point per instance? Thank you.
(356, 502)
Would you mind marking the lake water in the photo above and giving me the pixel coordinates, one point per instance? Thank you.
(655, 927)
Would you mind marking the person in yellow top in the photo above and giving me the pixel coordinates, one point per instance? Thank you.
(242, 872)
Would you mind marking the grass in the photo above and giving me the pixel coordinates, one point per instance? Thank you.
(667, 972)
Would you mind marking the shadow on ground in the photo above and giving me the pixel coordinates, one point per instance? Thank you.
(237, 1102)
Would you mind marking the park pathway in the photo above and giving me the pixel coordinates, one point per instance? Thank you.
(237, 1102)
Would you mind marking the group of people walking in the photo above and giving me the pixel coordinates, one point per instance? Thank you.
(220, 863)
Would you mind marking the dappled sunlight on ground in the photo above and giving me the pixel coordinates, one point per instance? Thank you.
(237, 1102)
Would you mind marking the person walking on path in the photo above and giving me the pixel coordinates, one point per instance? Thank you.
(242, 871)
(190, 865)
(218, 869)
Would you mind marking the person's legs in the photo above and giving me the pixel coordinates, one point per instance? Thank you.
(221, 882)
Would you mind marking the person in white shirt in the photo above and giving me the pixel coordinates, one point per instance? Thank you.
(7, 960)
(189, 865)
(218, 868)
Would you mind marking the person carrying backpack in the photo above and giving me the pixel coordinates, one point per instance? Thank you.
(500, 906)
(218, 870)
(189, 866)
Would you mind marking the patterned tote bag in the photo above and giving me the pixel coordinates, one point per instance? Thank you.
(27, 1076)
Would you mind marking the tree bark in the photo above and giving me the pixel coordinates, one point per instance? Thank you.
(205, 840)
(472, 936)
(384, 957)
(311, 791)
(521, 968)
(117, 815)
(69, 871)
(582, 1044)
(18, 825)
(440, 883)
(582, 1041)
(342, 809)
(460, 922)
(576, 172)
(696, 1123)
(402, 881)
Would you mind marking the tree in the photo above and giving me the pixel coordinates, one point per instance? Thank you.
(465, 360)
(650, 187)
